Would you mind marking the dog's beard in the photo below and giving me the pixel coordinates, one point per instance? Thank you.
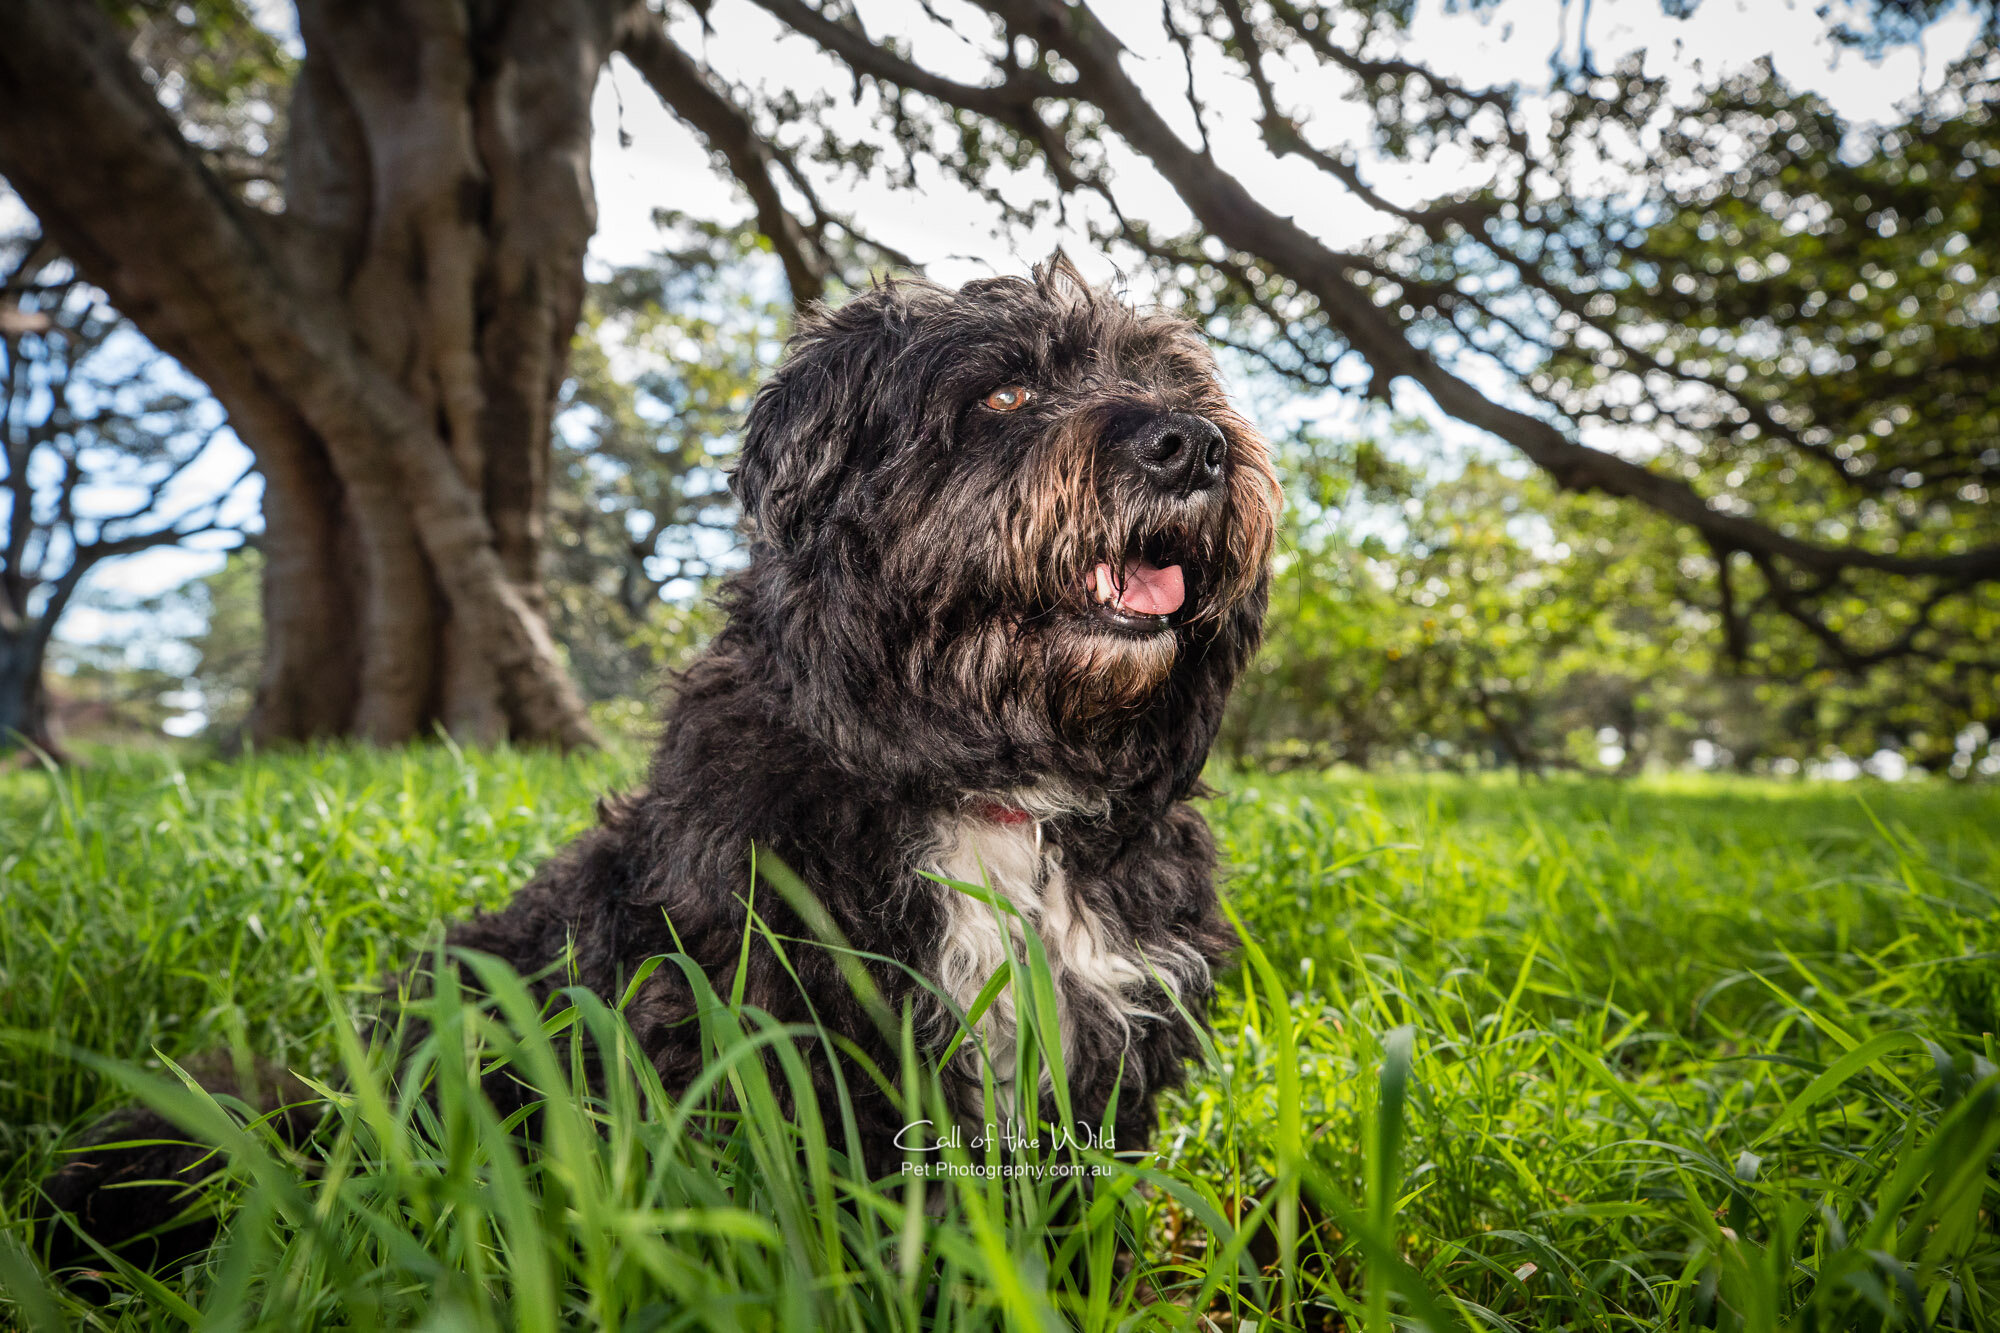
(1102, 588)
(1125, 604)
(1064, 674)
(1093, 677)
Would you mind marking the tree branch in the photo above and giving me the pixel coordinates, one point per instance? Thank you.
(1018, 90)
(692, 94)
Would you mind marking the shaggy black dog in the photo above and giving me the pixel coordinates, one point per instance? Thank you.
(1009, 549)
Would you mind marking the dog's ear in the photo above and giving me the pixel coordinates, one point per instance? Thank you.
(806, 420)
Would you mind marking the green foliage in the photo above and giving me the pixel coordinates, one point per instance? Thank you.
(1468, 613)
(1830, 296)
(223, 69)
(97, 696)
(641, 519)
(229, 648)
(1475, 618)
(1800, 317)
(1661, 1055)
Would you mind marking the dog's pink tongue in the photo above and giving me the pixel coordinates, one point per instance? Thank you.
(1152, 591)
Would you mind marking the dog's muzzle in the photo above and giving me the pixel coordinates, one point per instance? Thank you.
(1178, 462)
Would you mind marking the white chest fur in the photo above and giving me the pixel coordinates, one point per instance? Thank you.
(1093, 962)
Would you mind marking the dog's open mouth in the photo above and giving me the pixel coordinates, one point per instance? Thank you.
(1144, 594)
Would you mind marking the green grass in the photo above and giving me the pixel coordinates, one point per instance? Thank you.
(1677, 1054)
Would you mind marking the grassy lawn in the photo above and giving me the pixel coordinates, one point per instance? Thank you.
(1674, 1054)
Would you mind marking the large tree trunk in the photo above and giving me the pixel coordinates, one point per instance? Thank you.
(417, 128)
(25, 714)
(390, 348)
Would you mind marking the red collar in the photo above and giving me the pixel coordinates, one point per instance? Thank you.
(999, 813)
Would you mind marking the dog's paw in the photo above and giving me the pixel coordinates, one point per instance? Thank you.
(134, 1187)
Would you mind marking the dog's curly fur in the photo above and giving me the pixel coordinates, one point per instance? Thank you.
(916, 676)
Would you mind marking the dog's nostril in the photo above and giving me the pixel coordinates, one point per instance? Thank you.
(1180, 452)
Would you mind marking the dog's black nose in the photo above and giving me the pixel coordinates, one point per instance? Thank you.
(1180, 452)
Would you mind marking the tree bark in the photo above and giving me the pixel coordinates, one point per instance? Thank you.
(310, 680)
(389, 348)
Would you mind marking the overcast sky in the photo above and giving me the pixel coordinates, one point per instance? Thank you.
(953, 235)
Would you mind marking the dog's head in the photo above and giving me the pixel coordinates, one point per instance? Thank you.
(1020, 514)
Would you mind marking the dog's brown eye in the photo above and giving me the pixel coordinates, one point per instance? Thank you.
(1010, 399)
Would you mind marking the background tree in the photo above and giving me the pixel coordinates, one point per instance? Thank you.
(1459, 612)
(227, 647)
(97, 431)
(1466, 617)
(641, 517)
